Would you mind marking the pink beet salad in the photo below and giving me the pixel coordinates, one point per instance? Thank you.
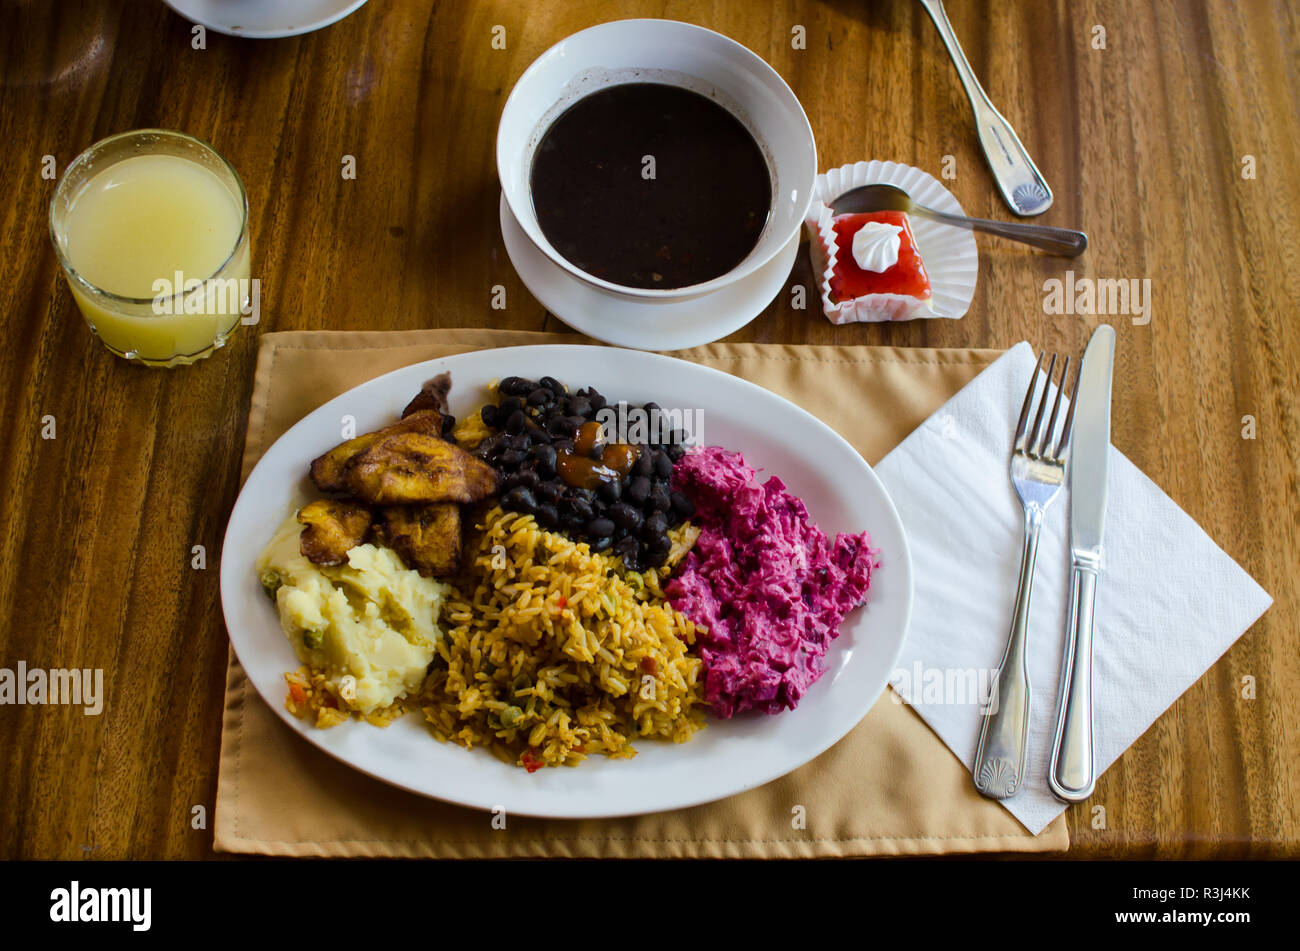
(768, 585)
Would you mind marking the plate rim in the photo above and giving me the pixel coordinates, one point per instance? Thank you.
(346, 8)
(228, 589)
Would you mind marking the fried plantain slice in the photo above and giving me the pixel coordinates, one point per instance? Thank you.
(333, 529)
(433, 395)
(415, 467)
(426, 536)
(327, 470)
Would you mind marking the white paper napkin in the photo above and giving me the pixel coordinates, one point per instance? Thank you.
(1169, 601)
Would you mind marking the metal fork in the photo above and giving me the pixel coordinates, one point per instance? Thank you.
(1037, 472)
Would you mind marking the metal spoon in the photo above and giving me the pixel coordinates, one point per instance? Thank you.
(1022, 185)
(1061, 241)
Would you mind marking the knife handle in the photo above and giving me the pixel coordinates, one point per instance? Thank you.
(1022, 185)
(1072, 774)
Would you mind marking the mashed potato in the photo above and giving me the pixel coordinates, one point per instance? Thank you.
(370, 626)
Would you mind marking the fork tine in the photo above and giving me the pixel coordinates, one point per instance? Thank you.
(1019, 443)
(1069, 416)
(1036, 442)
(1050, 448)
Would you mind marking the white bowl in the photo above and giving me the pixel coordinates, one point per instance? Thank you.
(684, 55)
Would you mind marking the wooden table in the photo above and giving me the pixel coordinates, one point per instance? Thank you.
(1175, 147)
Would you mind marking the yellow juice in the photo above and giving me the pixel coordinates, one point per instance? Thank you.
(137, 226)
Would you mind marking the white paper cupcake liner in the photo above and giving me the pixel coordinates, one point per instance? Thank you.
(949, 254)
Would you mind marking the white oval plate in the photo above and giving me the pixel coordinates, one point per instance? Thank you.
(643, 324)
(726, 757)
(264, 19)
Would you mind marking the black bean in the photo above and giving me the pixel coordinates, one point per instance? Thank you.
(489, 447)
(580, 406)
(508, 406)
(644, 465)
(530, 479)
(600, 544)
(682, 506)
(675, 451)
(638, 490)
(629, 548)
(548, 493)
(516, 386)
(600, 526)
(540, 397)
(582, 508)
(552, 384)
(663, 465)
(572, 521)
(597, 401)
(491, 415)
(510, 459)
(560, 427)
(626, 516)
(544, 459)
(655, 525)
(657, 549)
(659, 500)
(520, 499)
(547, 516)
(520, 441)
(610, 491)
(515, 422)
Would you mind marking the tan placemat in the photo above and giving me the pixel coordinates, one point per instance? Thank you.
(890, 787)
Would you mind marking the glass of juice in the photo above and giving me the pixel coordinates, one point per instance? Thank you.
(151, 228)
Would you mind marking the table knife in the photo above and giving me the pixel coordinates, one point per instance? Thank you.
(1072, 772)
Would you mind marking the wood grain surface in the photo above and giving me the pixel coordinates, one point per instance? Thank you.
(1148, 144)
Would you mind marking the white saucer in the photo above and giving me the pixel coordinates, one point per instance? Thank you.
(643, 325)
(264, 19)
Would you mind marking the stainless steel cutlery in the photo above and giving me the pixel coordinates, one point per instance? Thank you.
(886, 197)
(1022, 185)
(1072, 773)
(1037, 472)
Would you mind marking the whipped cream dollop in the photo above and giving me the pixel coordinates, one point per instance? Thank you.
(875, 246)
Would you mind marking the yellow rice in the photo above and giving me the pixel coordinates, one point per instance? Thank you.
(553, 652)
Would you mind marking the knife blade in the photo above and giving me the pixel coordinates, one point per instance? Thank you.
(1072, 773)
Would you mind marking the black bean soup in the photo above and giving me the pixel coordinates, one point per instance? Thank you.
(556, 466)
(688, 217)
